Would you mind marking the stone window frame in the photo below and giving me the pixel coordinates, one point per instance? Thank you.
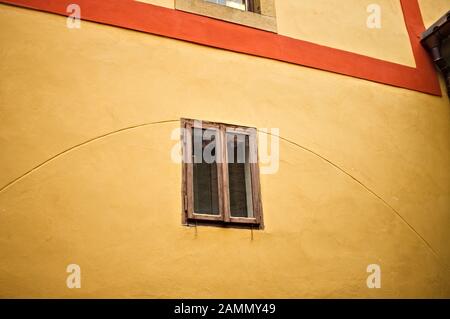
(264, 19)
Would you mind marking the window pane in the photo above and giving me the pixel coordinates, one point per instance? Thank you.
(237, 4)
(206, 194)
(239, 175)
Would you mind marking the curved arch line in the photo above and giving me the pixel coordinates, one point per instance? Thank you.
(14, 181)
(11, 183)
(364, 186)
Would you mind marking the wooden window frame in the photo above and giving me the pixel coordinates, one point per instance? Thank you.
(224, 218)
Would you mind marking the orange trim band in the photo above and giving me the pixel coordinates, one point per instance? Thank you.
(224, 35)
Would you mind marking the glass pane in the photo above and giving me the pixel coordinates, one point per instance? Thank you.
(239, 175)
(206, 193)
(237, 4)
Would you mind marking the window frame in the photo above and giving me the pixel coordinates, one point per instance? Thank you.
(224, 218)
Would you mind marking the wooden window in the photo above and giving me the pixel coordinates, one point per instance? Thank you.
(220, 175)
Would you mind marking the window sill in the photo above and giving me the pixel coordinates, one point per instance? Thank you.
(221, 224)
(250, 19)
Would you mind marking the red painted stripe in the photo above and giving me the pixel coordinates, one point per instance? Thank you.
(220, 34)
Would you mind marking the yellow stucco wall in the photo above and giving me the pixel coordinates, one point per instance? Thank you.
(343, 25)
(162, 3)
(107, 99)
(432, 10)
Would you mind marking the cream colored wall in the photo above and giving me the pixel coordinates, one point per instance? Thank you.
(342, 25)
(95, 108)
(162, 3)
(432, 10)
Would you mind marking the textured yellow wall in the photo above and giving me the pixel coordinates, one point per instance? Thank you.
(432, 10)
(343, 25)
(112, 203)
(162, 3)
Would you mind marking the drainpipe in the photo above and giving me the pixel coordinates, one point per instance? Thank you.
(436, 40)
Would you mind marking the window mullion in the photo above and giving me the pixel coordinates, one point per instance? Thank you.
(224, 169)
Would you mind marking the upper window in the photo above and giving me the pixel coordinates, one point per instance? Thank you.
(220, 174)
(245, 5)
(259, 14)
